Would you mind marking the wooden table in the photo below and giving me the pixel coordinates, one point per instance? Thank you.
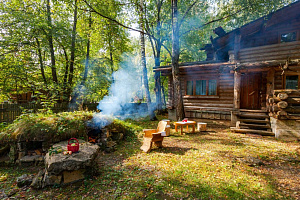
(181, 124)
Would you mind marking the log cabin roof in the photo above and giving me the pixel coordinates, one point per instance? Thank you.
(166, 70)
(286, 13)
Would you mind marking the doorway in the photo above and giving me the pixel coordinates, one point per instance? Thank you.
(251, 91)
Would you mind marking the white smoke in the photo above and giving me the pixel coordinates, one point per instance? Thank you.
(125, 88)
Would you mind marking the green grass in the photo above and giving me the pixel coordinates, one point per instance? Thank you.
(192, 166)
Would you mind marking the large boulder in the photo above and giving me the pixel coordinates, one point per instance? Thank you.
(65, 169)
(84, 158)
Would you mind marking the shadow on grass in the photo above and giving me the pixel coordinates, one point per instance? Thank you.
(173, 150)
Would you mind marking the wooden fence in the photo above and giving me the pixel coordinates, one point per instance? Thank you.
(9, 112)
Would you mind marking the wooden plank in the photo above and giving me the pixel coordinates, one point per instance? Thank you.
(260, 132)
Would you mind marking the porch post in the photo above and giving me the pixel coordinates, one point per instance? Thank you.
(270, 87)
(237, 90)
(237, 97)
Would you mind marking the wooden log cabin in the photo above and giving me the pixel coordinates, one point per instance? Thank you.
(251, 76)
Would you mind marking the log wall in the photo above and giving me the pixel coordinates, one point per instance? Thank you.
(211, 107)
(265, 44)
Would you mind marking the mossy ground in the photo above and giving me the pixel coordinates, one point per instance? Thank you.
(207, 165)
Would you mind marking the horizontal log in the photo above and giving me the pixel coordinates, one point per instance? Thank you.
(209, 105)
(226, 98)
(209, 111)
(226, 94)
(251, 55)
(282, 96)
(282, 104)
(292, 109)
(274, 46)
(293, 117)
(270, 58)
(290, 92)
(282, 113)
(207, 102)
(201, 108)
(201, 97)
(226, 91)
(275, 108)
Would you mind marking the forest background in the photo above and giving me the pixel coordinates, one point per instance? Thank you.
(69, 50)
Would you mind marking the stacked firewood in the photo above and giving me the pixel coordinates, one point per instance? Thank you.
(284, 104)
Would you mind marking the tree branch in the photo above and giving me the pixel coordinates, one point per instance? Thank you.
(186, 12)
(113, 20)
(210, 22)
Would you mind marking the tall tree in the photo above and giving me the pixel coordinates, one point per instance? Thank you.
(175, 62)
(73, 49)
(50, 40)
(143, 60)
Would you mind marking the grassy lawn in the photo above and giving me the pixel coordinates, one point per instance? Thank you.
(216, 164)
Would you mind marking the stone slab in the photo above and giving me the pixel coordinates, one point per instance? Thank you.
(57, 163)
(73, 176)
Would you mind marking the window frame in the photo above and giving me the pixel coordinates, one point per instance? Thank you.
(291, 74)
(288, 31)
(207, 87)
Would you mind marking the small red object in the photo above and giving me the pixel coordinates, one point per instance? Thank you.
(74, 148)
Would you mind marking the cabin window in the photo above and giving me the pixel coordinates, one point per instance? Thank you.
(200, 87)
(288, 37)
(291, 82)
(212, 87)
(203, 87)
(189, 88)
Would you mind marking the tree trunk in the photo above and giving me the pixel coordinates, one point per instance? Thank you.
(158, 86)
(175, 63)
(41, 60)
(73, 50)
(86, 68)
(111, 60)
(50, 40)
(163, 93)
(143, 62)
(65, 80)
(157, 60)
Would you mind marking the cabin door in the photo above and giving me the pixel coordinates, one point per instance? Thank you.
(250, 91)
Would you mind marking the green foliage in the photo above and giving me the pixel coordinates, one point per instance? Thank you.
(53, 127)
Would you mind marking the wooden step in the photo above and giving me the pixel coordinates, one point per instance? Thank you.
(253, 116)
(260, 132)
(256, 121)
(253, 111)
(253, 126)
